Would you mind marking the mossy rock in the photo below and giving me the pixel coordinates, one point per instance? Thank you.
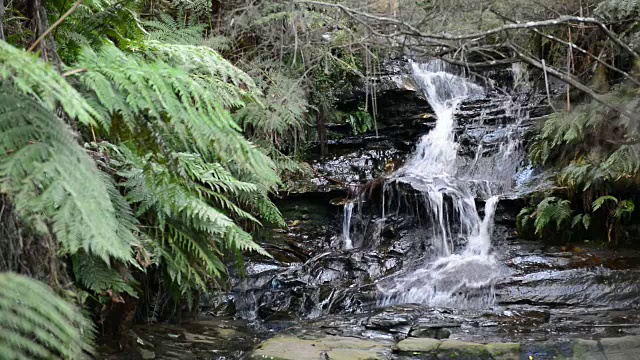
(414, 345)
(333, 347)
(456, 349)
(504, 351)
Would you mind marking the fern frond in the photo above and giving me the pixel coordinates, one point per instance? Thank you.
(552, 209)
(37, 324)
(48, 174)
(168, 30)
(96, 276)
(188, 91)
(597, 204)
(38, 79)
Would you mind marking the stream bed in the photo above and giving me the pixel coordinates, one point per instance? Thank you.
(403, 251)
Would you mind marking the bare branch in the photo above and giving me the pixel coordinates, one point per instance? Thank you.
(617, 40)
(55, 25)
(576, 47)
(568, 79)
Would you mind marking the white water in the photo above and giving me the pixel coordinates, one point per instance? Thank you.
(465, 278)
(346, 226)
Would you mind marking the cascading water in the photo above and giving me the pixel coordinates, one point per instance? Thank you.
(449, 190)
(346, 225)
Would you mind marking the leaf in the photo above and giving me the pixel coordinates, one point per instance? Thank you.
(597, 204)
(586, 221)
(49, 176)
(35, 323)
(577, 220)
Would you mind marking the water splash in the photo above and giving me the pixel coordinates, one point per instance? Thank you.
(461, 280)
(346, 225)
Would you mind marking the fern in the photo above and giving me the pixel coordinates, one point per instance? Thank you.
(199, 8)
(37, 324)
(168, 30)
(96, 276)
(597, 204)
(34, 77)
(552, 210)
(187, 90)
(618, 9)
(51, 179)
(196, 206)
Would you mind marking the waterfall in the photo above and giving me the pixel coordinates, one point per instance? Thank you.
(449, 187)
(432, 168)
(346, 225)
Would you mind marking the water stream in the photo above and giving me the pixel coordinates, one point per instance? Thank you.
(346, 225)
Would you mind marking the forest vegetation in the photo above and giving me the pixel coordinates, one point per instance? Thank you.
(141, 141)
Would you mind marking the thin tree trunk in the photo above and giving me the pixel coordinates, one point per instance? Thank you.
(1, 19)
(322, 131)
(39, 25)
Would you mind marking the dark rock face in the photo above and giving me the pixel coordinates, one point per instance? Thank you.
(324, 301)
(315, 280)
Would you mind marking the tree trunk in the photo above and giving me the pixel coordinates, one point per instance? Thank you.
(321, 128)
(1, 19)
(39, 24)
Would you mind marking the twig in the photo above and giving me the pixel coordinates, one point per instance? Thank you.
(74, 71)
(546, 84)
(616, 40)
(55, 25)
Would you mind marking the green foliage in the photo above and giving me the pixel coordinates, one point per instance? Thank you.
(594, 154)
(35, 323)
(187, 91)
(193, 206)
(597, 204)
(166, 29)
(360, 121)
(199, 8)
(96, 276)
(552, 210)
(53, 181)
(618, 9)
(38, 79)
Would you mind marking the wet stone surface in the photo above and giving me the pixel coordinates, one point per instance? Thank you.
(316, 300)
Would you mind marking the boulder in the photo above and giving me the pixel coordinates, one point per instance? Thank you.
(332, 347)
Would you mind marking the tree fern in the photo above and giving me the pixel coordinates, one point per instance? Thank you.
(196, 206)
(187, 90)
(95, 275)
(52, 180)
(37, 324)
(34, 77)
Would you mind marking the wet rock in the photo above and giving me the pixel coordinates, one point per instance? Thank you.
(429, 332)
(412, 345)
(462, 350)
(391, 321)
(587, 350)
(596, 287)
(504, 351)
(331, 347)
(622, 348)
